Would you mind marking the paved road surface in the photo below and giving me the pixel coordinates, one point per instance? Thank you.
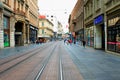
(63, 62)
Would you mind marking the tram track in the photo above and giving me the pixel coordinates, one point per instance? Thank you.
(57, 65)
(44, 65)
(10, 63)
(7, 60)
(60, 64)
(50, 62)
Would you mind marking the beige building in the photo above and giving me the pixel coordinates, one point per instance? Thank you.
(112, 25)
(45, 29)
(94, 23)
(102, 22)
(76, 21)
(60, 30)
(19, 22)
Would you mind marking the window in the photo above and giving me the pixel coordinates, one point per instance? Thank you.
(51, 19)
(42, 23)
(18, 6)
(52, 16)
(42, 31)
(14, 4)
(22, 7)
(6, 22)
(6, 31)
(6, 1)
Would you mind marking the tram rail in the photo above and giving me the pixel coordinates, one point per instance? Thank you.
(10, 63)
(46, 63)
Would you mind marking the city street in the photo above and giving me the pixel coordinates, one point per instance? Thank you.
(58, 61)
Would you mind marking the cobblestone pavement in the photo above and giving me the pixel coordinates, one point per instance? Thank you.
(95, 64)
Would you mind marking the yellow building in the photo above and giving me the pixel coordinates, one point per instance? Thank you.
(45, 29)
(60, 30)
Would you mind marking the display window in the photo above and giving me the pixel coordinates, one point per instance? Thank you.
(6, 31)
(6, 39)
(111, 42)
(114, 39)
(118, 39)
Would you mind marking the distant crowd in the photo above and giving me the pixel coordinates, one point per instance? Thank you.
(69, 42)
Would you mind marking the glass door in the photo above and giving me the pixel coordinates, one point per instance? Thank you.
(6, 36)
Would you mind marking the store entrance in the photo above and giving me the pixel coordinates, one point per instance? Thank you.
(100, 37)
(103, 36)
(18, 34)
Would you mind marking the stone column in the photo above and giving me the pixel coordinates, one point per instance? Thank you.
(28, 36)
(24, 34)
(105, 27)
(12, 31)
(1, 30)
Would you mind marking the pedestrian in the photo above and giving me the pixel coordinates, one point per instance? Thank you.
(65, 41)
(84, 43)
(70, 41)
(74, 41)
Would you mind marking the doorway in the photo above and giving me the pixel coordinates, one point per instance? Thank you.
(103, 36)
(18, 33)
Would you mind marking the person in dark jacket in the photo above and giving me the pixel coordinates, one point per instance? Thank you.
(84, 43)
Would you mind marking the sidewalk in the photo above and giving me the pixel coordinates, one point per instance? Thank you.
(95, 64)
(16, 50)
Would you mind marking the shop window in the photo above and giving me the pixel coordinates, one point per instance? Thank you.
(111, 39)
(6, 39)
(118, 39)
(6, 31)
(6, 22)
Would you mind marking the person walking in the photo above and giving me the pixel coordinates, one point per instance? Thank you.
(84, 43)
(65, 41)
(70, 41)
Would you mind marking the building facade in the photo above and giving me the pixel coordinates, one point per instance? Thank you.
(76, 21)
(101, 24)
(60, 31)
(16, 19)
(45, 29)
(33, 20)
(88, 22)
(112, 16)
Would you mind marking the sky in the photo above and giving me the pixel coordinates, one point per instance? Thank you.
(59, 8)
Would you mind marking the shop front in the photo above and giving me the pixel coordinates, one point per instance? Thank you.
(33, 34)
(6, 28)
(19, 33)
(80, 35)
(99, 32)
(6, 32)
(113, 35)
(89, 33)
